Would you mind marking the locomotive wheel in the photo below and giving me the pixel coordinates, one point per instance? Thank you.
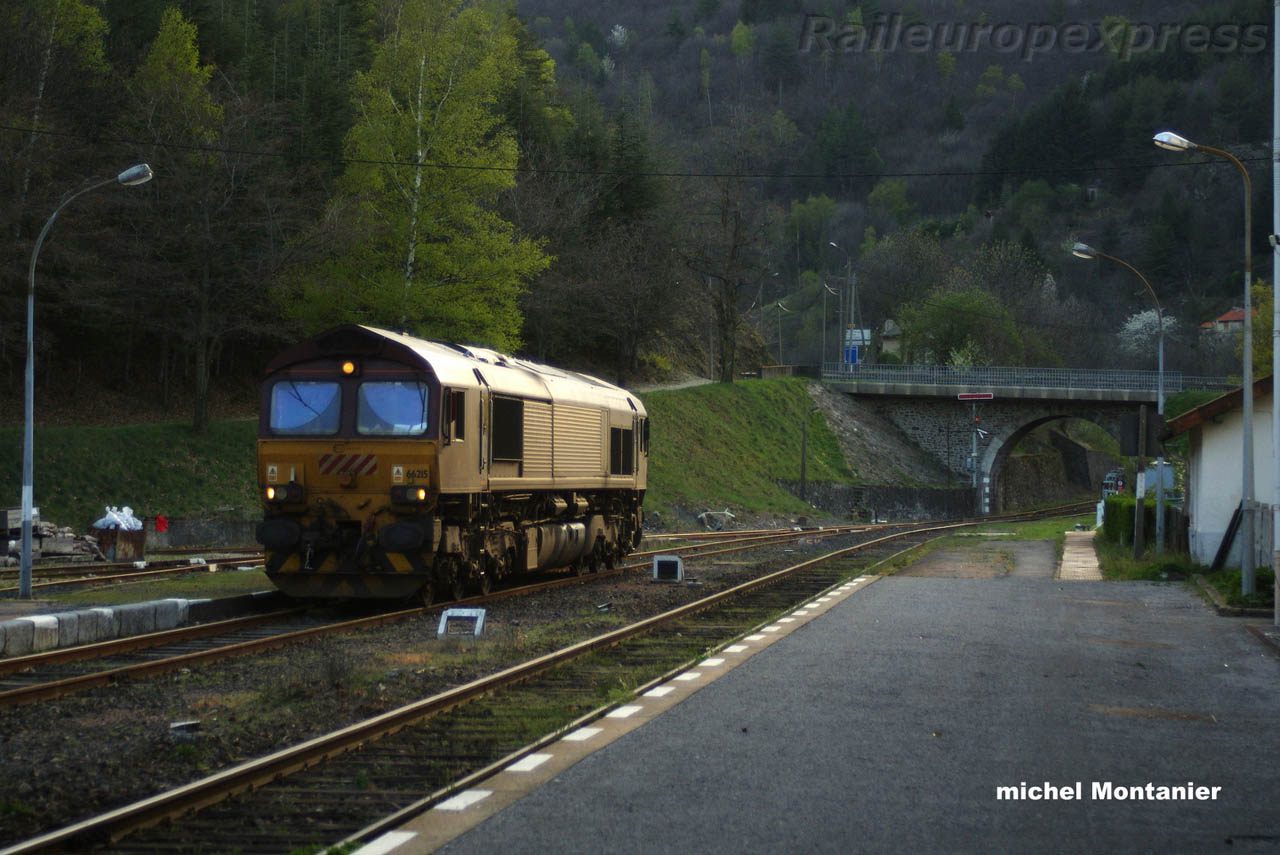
(450, 577)
(425, 594)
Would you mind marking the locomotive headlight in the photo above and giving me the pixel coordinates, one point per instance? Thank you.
(283, 493)
(349, 368)
(409, 495)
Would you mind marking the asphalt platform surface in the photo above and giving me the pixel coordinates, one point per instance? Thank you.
(887, 724)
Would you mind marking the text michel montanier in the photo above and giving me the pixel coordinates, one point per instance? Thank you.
(1107, 791)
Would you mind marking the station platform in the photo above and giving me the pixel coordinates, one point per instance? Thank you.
(1022, 712)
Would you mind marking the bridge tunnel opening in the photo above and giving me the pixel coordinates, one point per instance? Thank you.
(1049, 459)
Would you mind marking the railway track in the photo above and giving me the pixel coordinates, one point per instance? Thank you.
(57, 673)
(345, 784)
(84, 575)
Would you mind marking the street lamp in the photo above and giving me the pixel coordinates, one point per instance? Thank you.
(1081, 250)
(848, 286)
(1172, 142)
(134, 175)
(826, 289)
(781, 309)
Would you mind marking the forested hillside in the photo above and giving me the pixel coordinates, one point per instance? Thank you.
(631, 188)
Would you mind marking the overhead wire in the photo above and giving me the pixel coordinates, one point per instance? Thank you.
(599, 173)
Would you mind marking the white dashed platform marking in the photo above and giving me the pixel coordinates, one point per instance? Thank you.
(582, 734)
(528, 764)
(464, 800)
(386, 843)
(624, 712)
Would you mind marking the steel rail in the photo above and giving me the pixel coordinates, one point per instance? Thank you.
(115, 646)
(47, 691)
(211, 567)
(116, 823)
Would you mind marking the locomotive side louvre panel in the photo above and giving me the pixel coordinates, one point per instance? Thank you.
(579, 442)
(537, 440)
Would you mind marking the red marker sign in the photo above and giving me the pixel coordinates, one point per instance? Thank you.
(975, 396)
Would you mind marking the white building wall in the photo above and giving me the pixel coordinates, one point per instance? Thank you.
(1214, 473)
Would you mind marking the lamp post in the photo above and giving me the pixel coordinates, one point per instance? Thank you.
(134, 175)
(822, 368)
(1081, 250)
(781, 309)
(848, 286)
(1172, 142)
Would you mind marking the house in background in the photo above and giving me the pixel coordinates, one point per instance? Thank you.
(1231, 322)
(1215, 434)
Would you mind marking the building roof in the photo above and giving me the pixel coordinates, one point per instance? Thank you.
(1212, 409)
(1235, 316)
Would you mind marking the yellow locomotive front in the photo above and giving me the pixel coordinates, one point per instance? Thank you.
(347, 454)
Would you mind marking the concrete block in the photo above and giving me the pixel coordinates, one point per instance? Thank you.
(94, 625)
(112, 627)
(17, 637)
(169, 613)
(136, 618)
(68, 628)
(44, 634)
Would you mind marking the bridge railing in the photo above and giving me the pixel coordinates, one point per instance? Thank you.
(992, 377)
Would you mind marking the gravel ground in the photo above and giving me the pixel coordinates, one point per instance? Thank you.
(78, 756)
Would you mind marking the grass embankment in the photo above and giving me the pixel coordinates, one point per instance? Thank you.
(152, 468)
(712, 447)
(722, 446)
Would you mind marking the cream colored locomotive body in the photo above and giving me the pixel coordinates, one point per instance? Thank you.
(393, 466)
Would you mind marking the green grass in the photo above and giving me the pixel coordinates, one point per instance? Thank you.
(194, 586)
(152, 468)
(730, 445)
(1117, 562)
(1054, 529)
(1227, 583)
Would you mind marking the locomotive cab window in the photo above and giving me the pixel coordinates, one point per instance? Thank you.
(305, 408)
(392, 408)
(455, 415)
(622, 456)
(508, 429)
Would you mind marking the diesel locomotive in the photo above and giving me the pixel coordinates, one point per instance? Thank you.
(392, 467)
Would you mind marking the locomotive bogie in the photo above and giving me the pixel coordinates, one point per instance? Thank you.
(392, 467)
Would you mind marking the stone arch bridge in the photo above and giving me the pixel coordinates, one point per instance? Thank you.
(923, 401)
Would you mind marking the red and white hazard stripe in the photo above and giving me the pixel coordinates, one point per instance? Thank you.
(355, 464)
